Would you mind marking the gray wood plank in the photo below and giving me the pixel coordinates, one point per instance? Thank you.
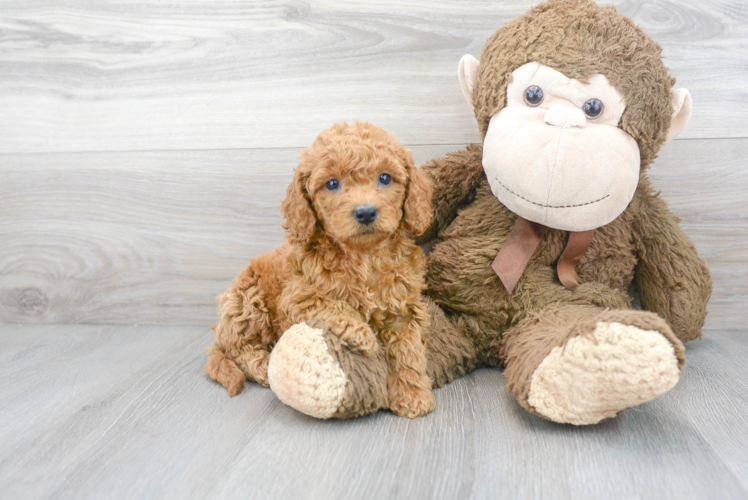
(714, 396)
(127, 412)
(135, 237)
(126, 228)
(647, 452)
(102, 76)
(706, 187)
(153, 237)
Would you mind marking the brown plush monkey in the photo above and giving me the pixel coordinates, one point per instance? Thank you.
(539, 231)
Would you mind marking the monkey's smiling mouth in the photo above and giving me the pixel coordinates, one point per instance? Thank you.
(550, 206)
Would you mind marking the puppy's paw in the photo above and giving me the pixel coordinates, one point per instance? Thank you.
(410, 397)
(412, 402)
(260, 371)
(357, 335)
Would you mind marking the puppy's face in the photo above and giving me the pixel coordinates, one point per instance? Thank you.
(358, 185)
(358, 195)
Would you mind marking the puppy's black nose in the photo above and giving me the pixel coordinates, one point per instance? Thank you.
(365, 214)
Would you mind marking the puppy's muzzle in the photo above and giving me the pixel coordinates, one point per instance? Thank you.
(365, 214)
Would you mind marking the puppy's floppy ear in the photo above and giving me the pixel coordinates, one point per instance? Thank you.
(297, 209)
(418, 211)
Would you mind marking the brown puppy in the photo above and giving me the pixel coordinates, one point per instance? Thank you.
(349, 264)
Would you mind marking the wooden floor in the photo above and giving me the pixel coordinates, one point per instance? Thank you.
(127, 412)
(145, 148)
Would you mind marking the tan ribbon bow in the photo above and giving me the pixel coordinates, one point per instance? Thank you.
(522, 242)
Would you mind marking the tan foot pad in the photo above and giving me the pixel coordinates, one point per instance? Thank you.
(303, 373)
(588, 380)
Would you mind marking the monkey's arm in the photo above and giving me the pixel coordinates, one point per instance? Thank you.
(671, 278)
(455, 179)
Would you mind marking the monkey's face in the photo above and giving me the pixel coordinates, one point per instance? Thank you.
(555, 155)
(574, 102)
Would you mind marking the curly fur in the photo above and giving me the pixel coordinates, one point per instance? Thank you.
(363, 282)
(475, 321)
(644, 246)
(580, 39)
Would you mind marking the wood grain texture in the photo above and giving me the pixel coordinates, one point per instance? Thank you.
(144, 151)
(135, 237)
(130, 75)
(127, 412)
(153, 237)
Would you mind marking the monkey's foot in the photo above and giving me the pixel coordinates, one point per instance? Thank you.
(593, 377)
(314, 372)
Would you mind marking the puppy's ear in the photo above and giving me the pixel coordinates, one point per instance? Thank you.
(418, 210)
(297, 209)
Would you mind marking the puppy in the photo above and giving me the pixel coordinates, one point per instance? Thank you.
(349, 262)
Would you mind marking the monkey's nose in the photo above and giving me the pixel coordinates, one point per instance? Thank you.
(559, 115)
(365, 214)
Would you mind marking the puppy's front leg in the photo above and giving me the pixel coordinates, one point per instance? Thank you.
(342, 319)
(408, 386)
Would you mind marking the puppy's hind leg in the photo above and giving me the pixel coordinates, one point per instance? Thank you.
(248, 327)
(223, 370)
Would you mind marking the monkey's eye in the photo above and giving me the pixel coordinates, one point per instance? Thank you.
(593, 108)
(534, 95)
(385, 179)
(332, 184)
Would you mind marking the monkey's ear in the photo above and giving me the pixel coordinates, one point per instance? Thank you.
(467, 71)
(296, 208)
(681, 101)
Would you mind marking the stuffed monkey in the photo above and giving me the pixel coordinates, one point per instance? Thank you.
(539, 231)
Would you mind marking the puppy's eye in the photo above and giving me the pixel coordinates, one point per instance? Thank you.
(534, 95)
(385, 179)
(332, 184)
(593, 108)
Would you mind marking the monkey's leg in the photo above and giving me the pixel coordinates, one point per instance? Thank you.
(450, 349)
(246, 330)
(312, 371)
(581, 364)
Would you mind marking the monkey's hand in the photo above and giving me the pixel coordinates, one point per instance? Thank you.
(671, 278)
(455, 179)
